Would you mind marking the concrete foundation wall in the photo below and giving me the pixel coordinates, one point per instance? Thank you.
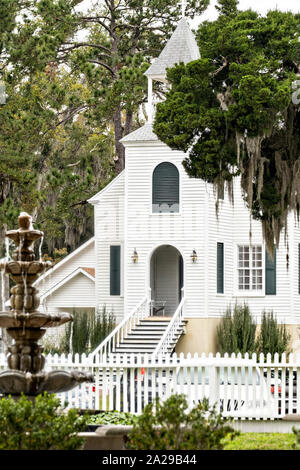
(201, 337)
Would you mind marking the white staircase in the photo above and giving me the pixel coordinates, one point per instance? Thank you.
(145, 337)
(140, 333)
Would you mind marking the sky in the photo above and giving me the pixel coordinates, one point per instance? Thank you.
(262, 6)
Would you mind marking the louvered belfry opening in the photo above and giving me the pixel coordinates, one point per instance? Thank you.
(165, 188)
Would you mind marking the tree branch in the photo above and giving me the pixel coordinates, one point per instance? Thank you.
(84, 44)
(80, 203)
(92, 61)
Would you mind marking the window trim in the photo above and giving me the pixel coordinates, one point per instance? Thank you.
(163, 214)
(248, 293)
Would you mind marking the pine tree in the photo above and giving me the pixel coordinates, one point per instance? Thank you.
(122, 38)
(227, 7)
(74, 81)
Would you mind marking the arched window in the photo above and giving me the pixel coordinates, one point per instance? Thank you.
(165, 188)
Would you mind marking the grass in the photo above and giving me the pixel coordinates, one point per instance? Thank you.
(261, 441)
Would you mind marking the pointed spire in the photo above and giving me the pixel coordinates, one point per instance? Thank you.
(181, 47)
(183, 7)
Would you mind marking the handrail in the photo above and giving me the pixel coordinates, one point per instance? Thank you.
(107, 346)
(167, 337)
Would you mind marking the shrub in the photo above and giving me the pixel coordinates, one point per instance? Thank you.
(171, 426)
(113, 417)
(39, 424)
(102, 324)
(272, 338)
(85, 333)
(296, 445)
(236, 332)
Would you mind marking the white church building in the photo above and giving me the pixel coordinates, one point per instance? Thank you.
(160, 243)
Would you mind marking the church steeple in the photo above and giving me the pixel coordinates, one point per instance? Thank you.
(181, 47)
(183, 6)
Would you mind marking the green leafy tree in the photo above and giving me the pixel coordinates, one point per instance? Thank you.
(272, 338)
(236, 331)
(235, 111)
(74, 81)
(51, 165)
(39, 424)
(171, 426)
(108, 44)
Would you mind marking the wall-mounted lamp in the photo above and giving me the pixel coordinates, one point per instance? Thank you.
(135, 256)
(194, 256)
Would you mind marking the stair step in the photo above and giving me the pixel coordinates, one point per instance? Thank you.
(136, 345)
(143, 336)
(149, 328)
(137, 351)
(138, 341)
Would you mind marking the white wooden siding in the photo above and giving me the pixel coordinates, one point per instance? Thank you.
(146, 231)
(76, 293)
(109, 230)
(197, 226)
(84, 258)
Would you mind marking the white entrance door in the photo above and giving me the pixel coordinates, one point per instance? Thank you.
(166, 277)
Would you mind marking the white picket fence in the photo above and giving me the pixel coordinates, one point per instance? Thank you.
(240, 387)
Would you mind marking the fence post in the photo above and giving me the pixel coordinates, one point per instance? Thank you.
(213, 386)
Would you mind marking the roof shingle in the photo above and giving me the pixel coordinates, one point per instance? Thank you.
(181, 47)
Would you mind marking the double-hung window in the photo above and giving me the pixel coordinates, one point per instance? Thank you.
(250, 268)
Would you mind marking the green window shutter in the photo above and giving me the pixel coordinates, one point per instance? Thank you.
(271, 274)
(165, 188)
(115, 270)
(220, 268)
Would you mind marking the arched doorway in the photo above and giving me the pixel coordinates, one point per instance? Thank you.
(166, 279)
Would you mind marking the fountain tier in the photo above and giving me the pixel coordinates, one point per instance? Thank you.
(26, 325)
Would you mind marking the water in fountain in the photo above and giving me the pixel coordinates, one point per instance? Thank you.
(3, 280)
(40, 248)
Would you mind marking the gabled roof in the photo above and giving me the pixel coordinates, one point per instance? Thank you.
(94, 199)
(181, 47)
(143, 134)
(70, 276)
(64, 260)
(90, 271)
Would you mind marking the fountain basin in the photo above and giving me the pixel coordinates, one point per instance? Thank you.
(30, 270)
(15, 382)
(33, 320)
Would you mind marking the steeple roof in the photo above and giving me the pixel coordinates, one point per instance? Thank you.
(143, 134)
(181, 47)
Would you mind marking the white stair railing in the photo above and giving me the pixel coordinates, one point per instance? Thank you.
(171, 331)
(115, 338)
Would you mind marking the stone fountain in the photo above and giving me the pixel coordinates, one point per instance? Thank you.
(26, 325)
